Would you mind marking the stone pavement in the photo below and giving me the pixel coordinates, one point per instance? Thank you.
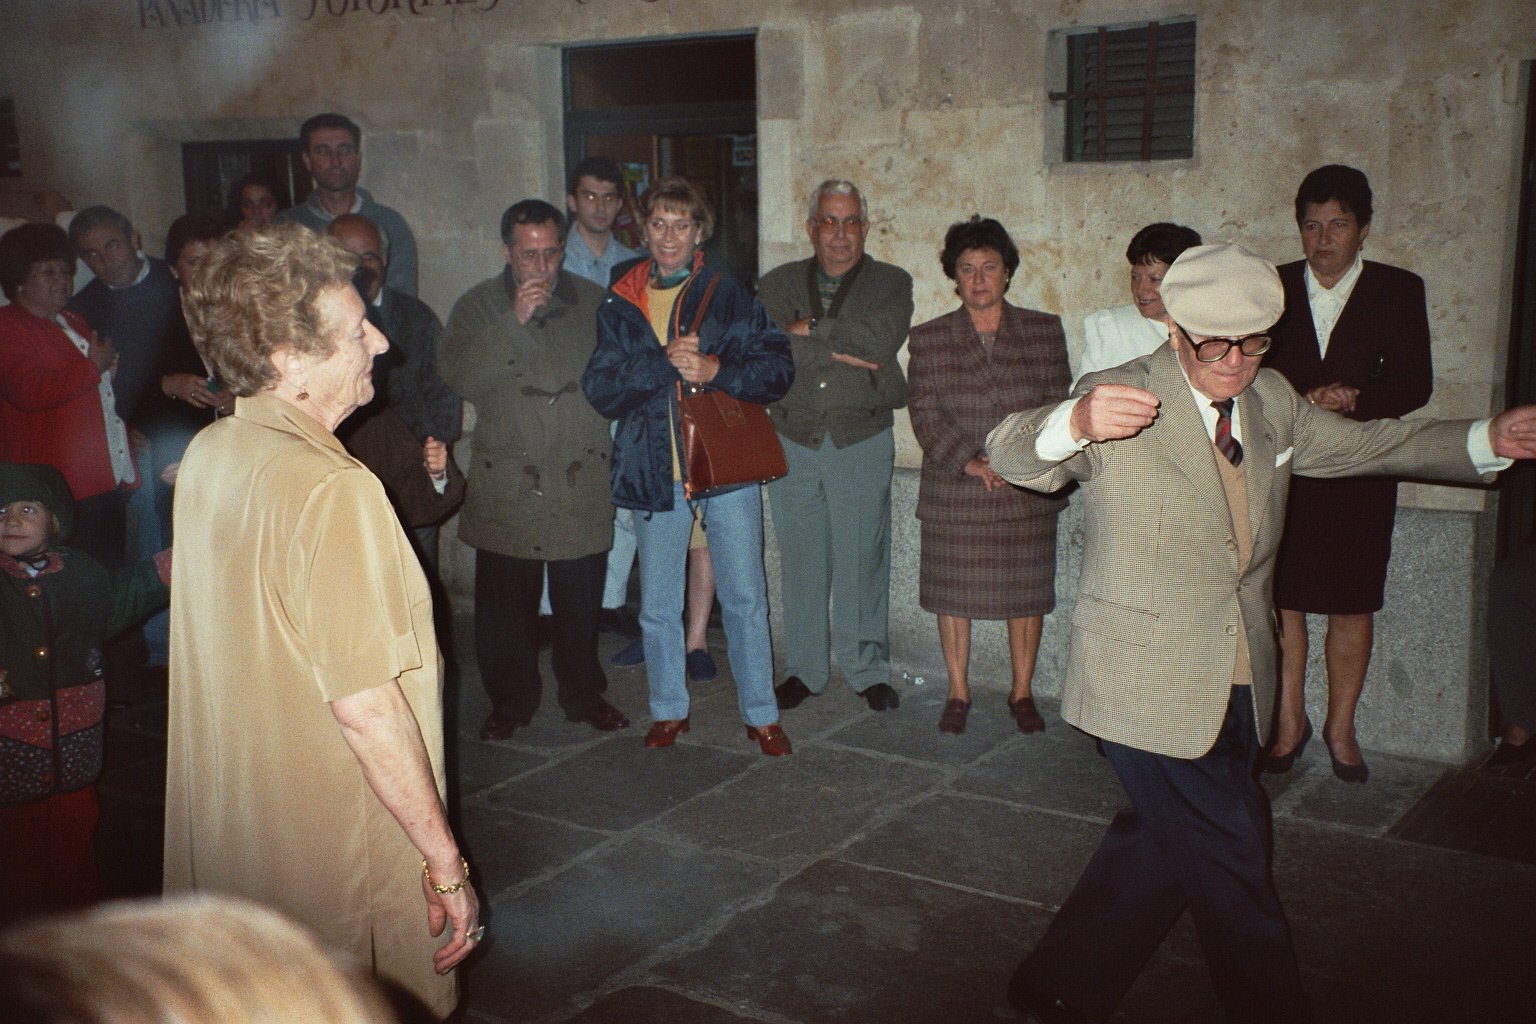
(887, 874)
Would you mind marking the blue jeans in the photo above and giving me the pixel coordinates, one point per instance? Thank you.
(734, 523)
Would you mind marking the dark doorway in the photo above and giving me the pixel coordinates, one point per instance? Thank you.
(209, 171)
(1517, 491)
(678, 107)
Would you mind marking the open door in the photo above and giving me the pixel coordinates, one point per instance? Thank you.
(674, 107)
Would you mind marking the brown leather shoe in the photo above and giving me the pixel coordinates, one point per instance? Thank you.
(771, 738)
(497, 726)
(1026, 716)
(664, 732)
(604, 717)
(952, 721)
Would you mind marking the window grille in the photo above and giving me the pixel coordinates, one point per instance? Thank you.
(1130, 93)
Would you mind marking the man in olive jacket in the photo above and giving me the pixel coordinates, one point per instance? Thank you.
(846, 316)
(515, 346)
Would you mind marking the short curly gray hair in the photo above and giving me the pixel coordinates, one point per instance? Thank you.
(256, 293)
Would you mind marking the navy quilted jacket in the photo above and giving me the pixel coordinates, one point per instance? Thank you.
(629, 379)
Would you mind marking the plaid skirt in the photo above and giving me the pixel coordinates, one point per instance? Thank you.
(1003, 570)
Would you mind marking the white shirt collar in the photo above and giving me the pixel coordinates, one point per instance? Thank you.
(1341, 290)
(1208, 411)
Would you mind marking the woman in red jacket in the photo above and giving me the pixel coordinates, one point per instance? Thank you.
(56, 402)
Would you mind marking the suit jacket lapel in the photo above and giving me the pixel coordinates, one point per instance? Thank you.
(1306, 328)
(1185, 438)
(1258, 458)
(967, 346)
(1358, 308)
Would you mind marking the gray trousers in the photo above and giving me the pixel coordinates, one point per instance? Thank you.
(832, 515)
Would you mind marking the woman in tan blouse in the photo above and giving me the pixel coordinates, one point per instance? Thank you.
(305, 765)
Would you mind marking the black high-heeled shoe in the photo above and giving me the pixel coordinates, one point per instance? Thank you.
(1279, 764)
(1347, 772)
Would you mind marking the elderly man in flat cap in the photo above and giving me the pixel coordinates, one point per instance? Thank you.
(1184, 458)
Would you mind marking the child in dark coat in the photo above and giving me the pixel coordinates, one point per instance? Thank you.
(57, 606)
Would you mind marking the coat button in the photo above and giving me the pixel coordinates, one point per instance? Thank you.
(48, 778)
(1231, 544)
(34, 591)
(40, 653)
(43, 714)
(1231, 631)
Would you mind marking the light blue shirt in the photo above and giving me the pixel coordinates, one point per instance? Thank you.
(580, 260)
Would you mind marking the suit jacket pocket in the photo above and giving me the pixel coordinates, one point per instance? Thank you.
(1117, 623)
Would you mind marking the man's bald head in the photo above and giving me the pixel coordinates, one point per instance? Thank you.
(365, 240)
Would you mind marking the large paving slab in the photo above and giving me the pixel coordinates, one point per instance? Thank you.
(616, 785)
(795, 808)
(563, 939)
(1395, 785)
(986, 845)
(841, 943)
(1395, 931)
(913, 732)
(648, 1003)
(510, 849)
(1057, 770)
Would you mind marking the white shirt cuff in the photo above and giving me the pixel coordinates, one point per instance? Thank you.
(440, 486)
(1481, 451)
(1054, 443)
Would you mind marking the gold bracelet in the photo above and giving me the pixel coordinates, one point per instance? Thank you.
(445, 890)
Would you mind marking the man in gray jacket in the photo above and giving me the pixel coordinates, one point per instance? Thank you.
(331, 146)
(515, 346)
(846, 316)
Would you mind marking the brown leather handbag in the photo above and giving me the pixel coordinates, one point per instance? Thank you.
(724, 440)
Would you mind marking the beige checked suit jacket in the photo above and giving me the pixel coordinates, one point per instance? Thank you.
(1161, 597)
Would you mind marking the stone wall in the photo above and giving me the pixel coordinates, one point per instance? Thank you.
(939, 110)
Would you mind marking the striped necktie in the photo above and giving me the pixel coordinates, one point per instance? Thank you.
(1228, 444)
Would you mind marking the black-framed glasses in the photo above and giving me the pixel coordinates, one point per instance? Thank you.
(1214, 350)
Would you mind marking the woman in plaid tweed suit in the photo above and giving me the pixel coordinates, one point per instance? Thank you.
(988, 548)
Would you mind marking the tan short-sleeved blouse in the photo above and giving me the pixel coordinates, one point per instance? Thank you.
(294, 585)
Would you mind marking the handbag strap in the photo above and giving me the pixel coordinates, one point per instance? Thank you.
(698, 316)
(698, 319)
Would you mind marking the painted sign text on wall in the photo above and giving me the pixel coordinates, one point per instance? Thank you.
(180, 13)
(176, 13)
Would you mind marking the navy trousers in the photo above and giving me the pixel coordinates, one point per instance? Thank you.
(506, 631)
(1196, 837)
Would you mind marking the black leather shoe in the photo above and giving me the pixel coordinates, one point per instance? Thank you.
(1025, 995)
(791, 693)
(497, 727)
(881, 697)
(1508, 754)
(604, 717)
